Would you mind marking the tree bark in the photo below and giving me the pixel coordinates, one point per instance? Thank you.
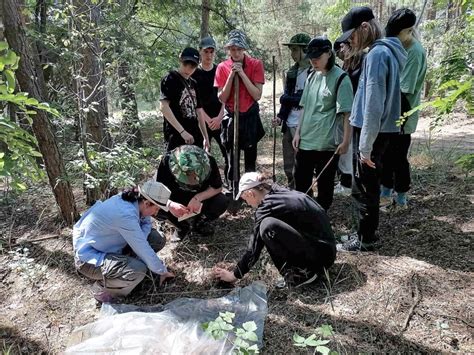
(87, 21)
(129, 106)
(205, 6)
(29, 79)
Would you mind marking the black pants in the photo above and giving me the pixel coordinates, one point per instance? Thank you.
(366, 184)
(345, 179)
(289, 249)
(212, 208)
(250, 161)
(216, 134)
(396, 168)
(309, 162)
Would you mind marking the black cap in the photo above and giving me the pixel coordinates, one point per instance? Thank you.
(399, 20)
(317, 46)
(190, 54)
(354, 19)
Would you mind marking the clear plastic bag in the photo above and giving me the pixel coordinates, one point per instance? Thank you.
(174, 328)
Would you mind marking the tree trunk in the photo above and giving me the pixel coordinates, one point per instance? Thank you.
(94, 103)
(29, 80)
(205, 18)
(129, 106)
(430, 15)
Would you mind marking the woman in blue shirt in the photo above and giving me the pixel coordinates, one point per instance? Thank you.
(107, 228)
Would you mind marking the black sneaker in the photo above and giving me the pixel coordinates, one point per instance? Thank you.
(354, 244)
(300, 277)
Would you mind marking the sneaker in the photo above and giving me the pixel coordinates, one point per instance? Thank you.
(297, 277)
(280, 283)
(355, 245)
(346, 237)
(101, 295)
(309, 280)
(342, 190)
(386, 201)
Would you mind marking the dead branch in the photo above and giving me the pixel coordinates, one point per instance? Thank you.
(416, 293)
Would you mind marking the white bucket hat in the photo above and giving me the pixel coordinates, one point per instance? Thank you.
(156, 193)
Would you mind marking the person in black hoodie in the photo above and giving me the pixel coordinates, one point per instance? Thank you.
(292, 226)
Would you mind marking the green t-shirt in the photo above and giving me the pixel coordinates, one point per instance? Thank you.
(322, 109)
(411, 81)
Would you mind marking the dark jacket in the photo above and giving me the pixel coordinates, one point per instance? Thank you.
(297, 210)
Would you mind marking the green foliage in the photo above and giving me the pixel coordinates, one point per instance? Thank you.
(319, 343)
(244, 338)
(466, 163)
(117, 168)
(19, 155)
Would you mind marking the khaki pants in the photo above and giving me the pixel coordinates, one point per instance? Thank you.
(120, 274)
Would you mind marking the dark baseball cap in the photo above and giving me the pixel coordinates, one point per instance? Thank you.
(354, 19)
(190, 54)
(207, 42)
(317, 46)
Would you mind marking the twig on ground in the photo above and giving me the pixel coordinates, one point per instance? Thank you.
(190, 292)
(38, 240)
(416, 293)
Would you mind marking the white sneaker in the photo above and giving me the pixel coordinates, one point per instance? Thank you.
(341, 190)
(345, 238)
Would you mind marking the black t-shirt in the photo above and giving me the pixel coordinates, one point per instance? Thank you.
(207, 90)
(184, 99)
(178, 193)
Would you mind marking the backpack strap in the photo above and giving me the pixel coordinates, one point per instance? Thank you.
(339, 81)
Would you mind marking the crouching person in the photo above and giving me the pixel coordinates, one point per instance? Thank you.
(104, 235)
(291, 225)
(195, 182)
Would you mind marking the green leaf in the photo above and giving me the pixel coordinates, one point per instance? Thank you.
(323, 350)
(298, 339)
(227, 316)
(325, 330)
(3, 45)
(249, 326)
(10, 80)
(10, 58)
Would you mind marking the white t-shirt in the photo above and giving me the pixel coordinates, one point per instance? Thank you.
(294, 115)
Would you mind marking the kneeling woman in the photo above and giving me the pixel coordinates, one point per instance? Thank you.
(108, 228)
(291, 225)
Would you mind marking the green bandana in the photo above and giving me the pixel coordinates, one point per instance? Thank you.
(189, 159)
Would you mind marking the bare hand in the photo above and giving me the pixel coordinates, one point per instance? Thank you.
(296, 141)
(215, 123)
(224, 275)
(194, 205)
(342, 148)
(206, 146)
(367, 161)
(177, 209)
(165, 276)
(188, 139)
(237, 68)
(276, 121)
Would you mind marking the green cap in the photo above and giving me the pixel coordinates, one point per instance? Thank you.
(301, 39)
(188, 159)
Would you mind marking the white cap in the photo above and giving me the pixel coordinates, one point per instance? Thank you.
(248, 181)
(156, 193)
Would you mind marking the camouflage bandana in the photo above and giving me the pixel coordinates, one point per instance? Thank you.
(237, 38)
(188, 159)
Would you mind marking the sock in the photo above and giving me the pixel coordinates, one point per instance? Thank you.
(385, 191)
(401, 198)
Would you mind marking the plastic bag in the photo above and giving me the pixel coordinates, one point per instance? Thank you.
(128, 329)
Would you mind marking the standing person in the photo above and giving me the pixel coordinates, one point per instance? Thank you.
(291, 225)
(289, 113)
(251, 77)
(195, 183)
(181, 106)
(102, 234)
(396, 168)
(213, 109)
(326, 101)
(374, 118)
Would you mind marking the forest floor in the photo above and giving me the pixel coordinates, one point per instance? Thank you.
(413, 294)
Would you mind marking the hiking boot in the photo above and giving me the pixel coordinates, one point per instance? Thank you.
(342, 190)
(355, 244)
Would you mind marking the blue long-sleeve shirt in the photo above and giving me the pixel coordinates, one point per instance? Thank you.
(107, 227)
(377, 104)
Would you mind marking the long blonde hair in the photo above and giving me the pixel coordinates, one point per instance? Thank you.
(366, 36)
